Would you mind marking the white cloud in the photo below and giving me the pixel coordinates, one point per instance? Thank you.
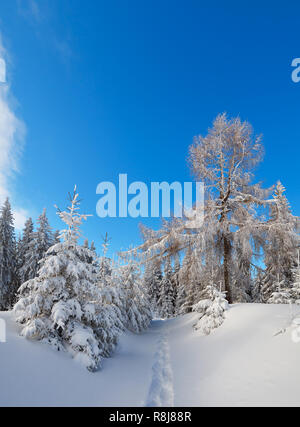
(64, 49)
(30, 10)
(39, 15)
(12, 131)
(35, 10)
(20, 216)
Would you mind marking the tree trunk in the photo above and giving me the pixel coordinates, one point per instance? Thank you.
(226, 259)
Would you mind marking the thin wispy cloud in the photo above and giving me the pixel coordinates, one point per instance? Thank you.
(30, 10)
(64, 50)
(12, 132)
(38, 15)
(35, 10)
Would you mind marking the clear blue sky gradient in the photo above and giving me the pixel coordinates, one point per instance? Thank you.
(109, 87)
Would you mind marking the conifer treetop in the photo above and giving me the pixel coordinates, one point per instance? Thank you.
(72, 218)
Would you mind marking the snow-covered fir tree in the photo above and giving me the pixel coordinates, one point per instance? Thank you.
(152, 280)
(280, 247)
(56, 238)
(62, 304)
(180, 300)
(241, 271)
(180, 291)
(295, 290)
(40, 241)
(25, 246)
(190, 278)
(256, 292)
(167, 300)
(136, 303)
(211, 309)
(93, 247)
(107, 274)
(105, 269)
(43, 236)
(8, 258)
(182, 304)
(175, 274)
(281, 295)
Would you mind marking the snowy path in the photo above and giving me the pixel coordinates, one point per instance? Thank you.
(161, 389)
(241, 363)
(33, 374)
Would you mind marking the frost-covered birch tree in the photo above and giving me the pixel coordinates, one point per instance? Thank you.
(241, 221)
(224, 161)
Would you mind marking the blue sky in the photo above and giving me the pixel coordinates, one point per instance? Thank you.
(123, 86)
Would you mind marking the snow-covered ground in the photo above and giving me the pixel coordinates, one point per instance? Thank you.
(240, 363)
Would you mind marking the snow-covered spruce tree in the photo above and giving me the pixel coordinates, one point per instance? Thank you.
(241, 278)
(180, 300)
(167, 298)
(8, 258)
(190, 278)
(93, 247)
(282, 241)
(211, 309)
(95, 260)
(105, 269)
(147, 280)
(295, 291)
(184, 299)
(43, 236)
(281, 295)
(256, 292)
(24, 251)
(152, 281)
(61, 305)
(56, 238)
(136, 304)
(269, 280)
(40, 241)
(112, 296)
(175, 275)
(180, 291)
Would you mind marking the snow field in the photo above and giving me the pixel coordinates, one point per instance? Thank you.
(241, 363)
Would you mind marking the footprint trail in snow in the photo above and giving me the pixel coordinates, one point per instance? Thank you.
(161, 391)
